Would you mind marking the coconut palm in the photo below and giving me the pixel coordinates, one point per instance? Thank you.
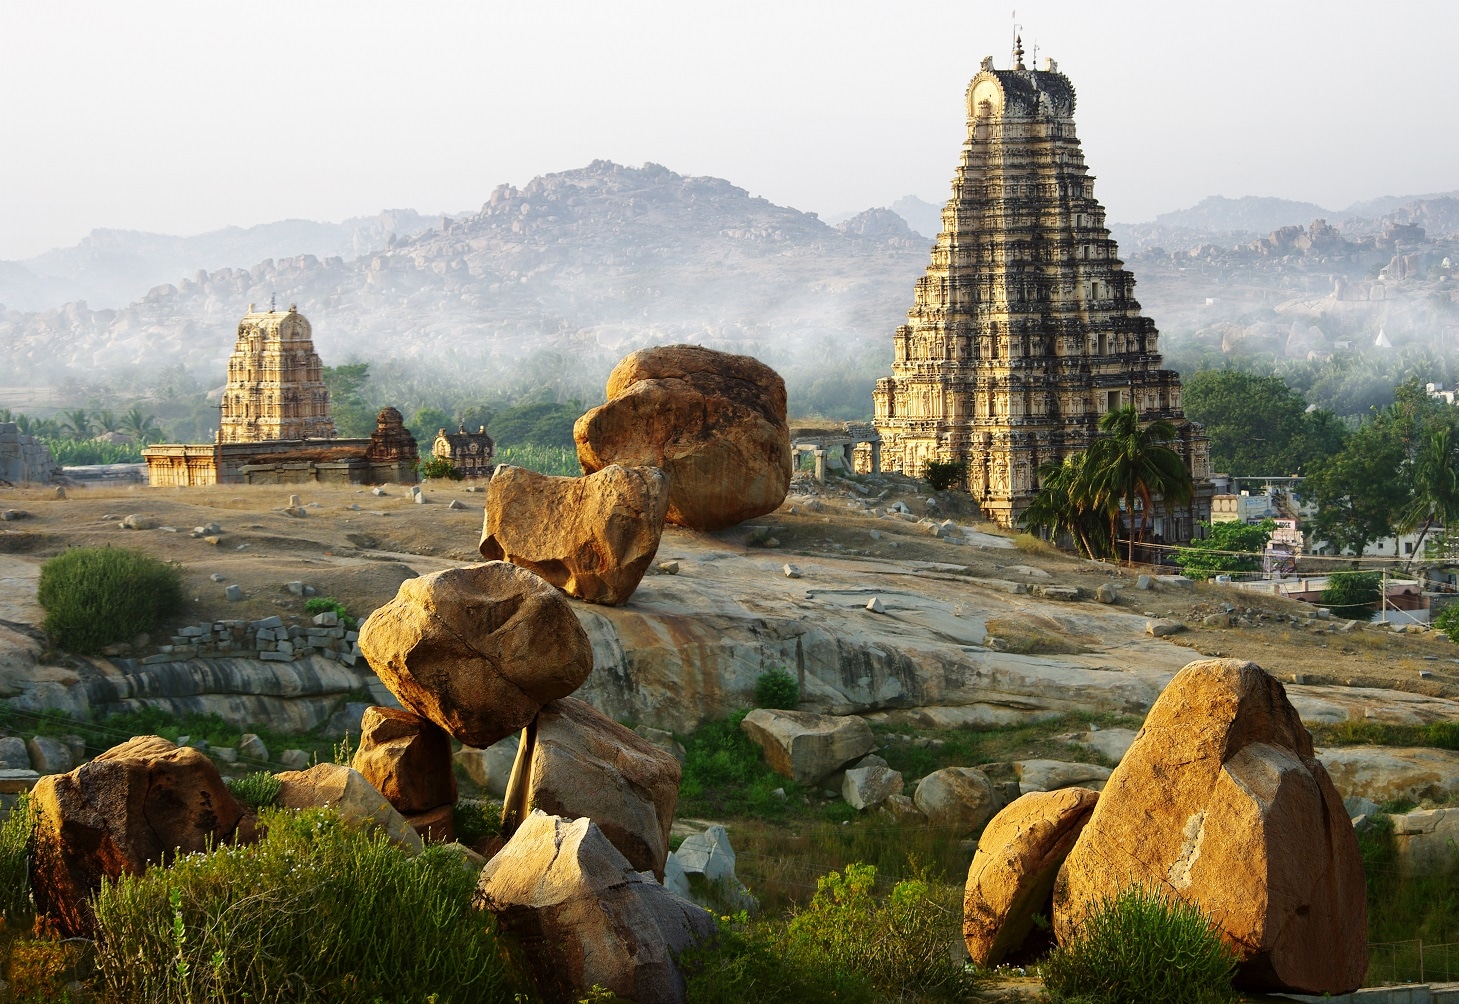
(76, 424)
(1435, 476)
(1132, 463)
(1067, 502)
(105, 421)
(142, 428)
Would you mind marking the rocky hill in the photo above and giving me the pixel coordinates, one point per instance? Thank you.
(563, 275)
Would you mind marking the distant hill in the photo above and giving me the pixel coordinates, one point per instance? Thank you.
(921, 216)
(1250, 214)
(112, 267)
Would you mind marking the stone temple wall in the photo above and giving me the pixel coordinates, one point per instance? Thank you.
(23, 458)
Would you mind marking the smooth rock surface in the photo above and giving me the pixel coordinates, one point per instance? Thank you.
(345, 790)
(477, 649)
(960, 798)
(407, 759)
(1051, 775)
(593, 537)
(135, 805)
(1012, 874)
(1392, 773)
(1221, 801)
(586, 764)
(49, 756)
(716, 422)
(585, 917)
(490, 768)
(807, 747)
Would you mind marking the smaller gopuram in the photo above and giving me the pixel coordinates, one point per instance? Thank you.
(469, 452)
(275, 382)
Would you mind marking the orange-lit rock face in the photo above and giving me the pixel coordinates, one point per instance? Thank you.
(715, 422)
(1220, 801)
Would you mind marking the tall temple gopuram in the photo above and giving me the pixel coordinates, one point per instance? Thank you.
(275, 381)
(1025, 329)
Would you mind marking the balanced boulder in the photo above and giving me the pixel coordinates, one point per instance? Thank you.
(478, 649)
(1012, 875)
(586, 764)
(346, 792)
(135, 805)
(407, 758)
(1221, 802)
(716, 422)
(807, 747)
(959, 798)
(584, 916)
(592, 537)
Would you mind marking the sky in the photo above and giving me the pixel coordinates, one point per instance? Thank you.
(179, 118)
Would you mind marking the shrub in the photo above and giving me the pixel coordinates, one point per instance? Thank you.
(475, 822)
(1352, 594)
(256, 790)
(326, 604)
(1142, 947)
(1448, 621)
(40, 971)
(316, 910)
(439, 467)
(94, 596)
(941, 475)
(754, 962)
(14, 875)
(777, 689)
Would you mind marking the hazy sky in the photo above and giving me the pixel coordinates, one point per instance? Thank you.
(183, 117)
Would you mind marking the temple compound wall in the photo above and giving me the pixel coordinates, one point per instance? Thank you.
(1024, 330)
(23, 458)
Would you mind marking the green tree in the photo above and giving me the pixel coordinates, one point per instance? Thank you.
(1258, 424)
(354, 415)
(1133, 463)
(546, 423)
(141, 427)
(1434, 483)
(425, 423)
(1352, 594)
(1067, 503)
(76, 424)
(104, 421)
(1199, 558)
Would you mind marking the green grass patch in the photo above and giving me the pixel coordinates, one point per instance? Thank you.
(561, 461)
(94, 596)
(1359, 731)
(255, 790)
(1142, 947)
(725, 775)
(971, 747)
(317, 910)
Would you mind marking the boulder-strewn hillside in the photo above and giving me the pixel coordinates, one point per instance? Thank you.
(569, 272)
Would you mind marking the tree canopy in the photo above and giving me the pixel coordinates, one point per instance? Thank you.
(1200, 559)
(1258, 424)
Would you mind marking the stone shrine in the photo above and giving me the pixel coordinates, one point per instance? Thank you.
(275, 382)
(470, 452)
(1025, 330)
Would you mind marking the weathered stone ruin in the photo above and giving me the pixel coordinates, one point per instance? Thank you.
(274, 421)
(1025, 329)
(23, 458)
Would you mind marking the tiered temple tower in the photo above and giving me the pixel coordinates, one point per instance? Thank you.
(1025, 329)
(275, 382)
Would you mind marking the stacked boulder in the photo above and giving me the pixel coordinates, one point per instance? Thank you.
(1220, 802)
(407, 759)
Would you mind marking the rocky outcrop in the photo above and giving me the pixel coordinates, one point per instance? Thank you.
(346, 792)
(959, 798)
(1051, 775)
(585, 917)
(1222, 802)
(407, 759)
(592, 537)
(1012, 874)
(1426, 840)
(586, 764)
(478, 649)
(716, 422)
(807, 747)
(1392, 773)
(135, 805)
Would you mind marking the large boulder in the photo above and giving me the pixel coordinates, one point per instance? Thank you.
(807, 747)
(714, 421)
(592, 537)
(959, 798)
(1051, 775)
(1221, 801)
(407, 758)
(866, 786)
(135, 805)
(1012, 875)
(478, 649)
(586, 764)
(347, 793)
(584, 916)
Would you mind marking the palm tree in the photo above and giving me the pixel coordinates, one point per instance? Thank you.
(1067, 502)
(105, 421)
(142, 428)
(76, 424)
(1131, 463)
(1435, 476)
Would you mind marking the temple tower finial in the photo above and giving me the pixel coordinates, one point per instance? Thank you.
(1018, 53)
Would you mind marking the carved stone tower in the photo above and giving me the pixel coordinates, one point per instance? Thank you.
(1025, 329)
(275, 382)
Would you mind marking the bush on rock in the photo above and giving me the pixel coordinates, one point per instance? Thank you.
(94, 596)
(777, 689)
